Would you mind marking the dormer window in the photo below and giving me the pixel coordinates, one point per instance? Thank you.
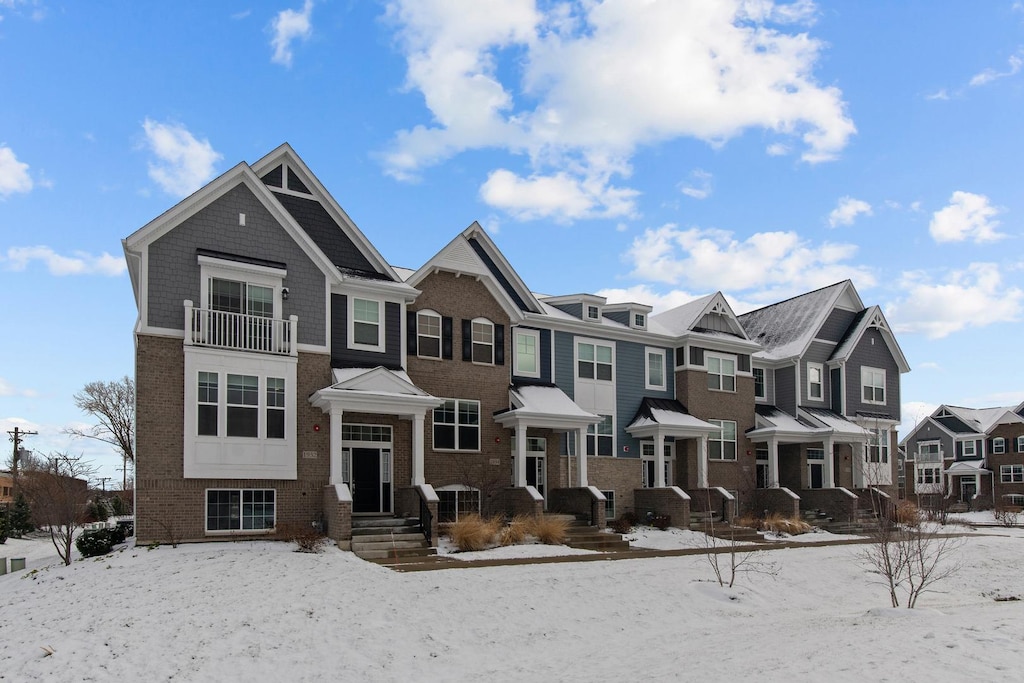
(639, 321)
(593, 312)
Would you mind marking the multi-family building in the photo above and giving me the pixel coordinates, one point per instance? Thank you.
(970, 456)
(288, 375)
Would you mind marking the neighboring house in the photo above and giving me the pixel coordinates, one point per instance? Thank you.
(827, 394)
(6, 488)
(973, 456)
(287, 375)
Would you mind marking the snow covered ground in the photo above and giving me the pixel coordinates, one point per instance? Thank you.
(258, 610)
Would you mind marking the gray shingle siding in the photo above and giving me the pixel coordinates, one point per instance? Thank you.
(621, 317)
(575, 310)
(327, 234)
(342, 356)
(836, 325)
(785, 389)
(816, 353)
(929, 432)
(631, 388)
(871, 351)
(174, 273)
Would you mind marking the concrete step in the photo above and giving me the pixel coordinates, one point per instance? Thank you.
(359, 546)
(376, 522)
(603, 545)
(384, 537)
(394, 552)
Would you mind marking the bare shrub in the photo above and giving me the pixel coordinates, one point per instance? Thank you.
(307, 538)
(472, 532)
(1007, 515)
(515, 531)
(60, 494)
(910, 560)
(775, 523)
(621, 525)
(661, 522)
(908, 514)
(549, 530)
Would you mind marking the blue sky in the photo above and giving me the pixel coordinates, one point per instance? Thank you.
(652, 151)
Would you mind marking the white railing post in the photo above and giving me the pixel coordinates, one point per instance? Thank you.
(189, 323)
(293, 335)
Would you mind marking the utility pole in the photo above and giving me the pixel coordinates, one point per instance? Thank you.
(16, 436)
(103, 483)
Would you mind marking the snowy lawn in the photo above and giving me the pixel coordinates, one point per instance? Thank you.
(259, 611)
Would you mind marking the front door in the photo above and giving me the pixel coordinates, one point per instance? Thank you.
(535, 473)
(816, 475)
(371, 487)
(968, 489)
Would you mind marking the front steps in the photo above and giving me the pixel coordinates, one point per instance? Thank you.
(581, 534)
(711, 524)
(864, 522)
(388, 539)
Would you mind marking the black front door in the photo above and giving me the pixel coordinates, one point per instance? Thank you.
(366, 488)
(817, 475)
(535, 473)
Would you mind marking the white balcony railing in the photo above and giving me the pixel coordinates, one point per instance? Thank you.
(240, 332)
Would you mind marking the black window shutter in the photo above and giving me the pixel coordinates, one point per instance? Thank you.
(446, 338)
(467, 340)
(499, 344)
(410, 333)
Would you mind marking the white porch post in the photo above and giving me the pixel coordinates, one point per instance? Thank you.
(417, 450)
(335, 441)
(581, 457)
(828, 468)
(773, 463)
(659, 460)
(702, 462)
(520, 455)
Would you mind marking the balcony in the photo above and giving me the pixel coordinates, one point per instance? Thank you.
(240, 332)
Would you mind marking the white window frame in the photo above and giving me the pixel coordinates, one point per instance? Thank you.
(660, 383)
(1011, 474)
(812, 369)
(457, 425)
(533, 335)
(647, 455)
(380, 323)
(876, 451)
(721, 360)
(869, 379)
(241, 512)
(1020, 444)
(929, 475)
(599, 432)
(923, 456)
(211, 268)
(432, 316)
(591, 312)
(477, 329)
(595, 345)
(609, 504)
(721, 440)
(639, 321)
(974, 449)
(764, 387)
(998, 445)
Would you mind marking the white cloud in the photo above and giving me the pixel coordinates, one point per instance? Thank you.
(777, 149)
(8, 389)
(287, 27)
(1014, 64)
(560, 196)
(973, 297)
(591, 82)
(913, 412)
(80, 263)
(771, 265)
(700, 185)
(968, 216)
(847, 210)
(940, 94)
(183, 164)
(643, 294)
(14, 175)
(928, 365)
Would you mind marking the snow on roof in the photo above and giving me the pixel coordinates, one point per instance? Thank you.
(785, 329)
(835, 422)
(676, 419)
(547, 401)
(681, 318)
(404, 273)
(783, 420)
(968, 467)
(984, 419)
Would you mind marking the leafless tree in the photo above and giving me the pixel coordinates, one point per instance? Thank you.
(740, 561)
(59, 494)
(113, 405)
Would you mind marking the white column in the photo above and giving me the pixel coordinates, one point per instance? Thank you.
(335, 444)
(659, 460)
(581, 457)
(827, 469)
(773, 463)
(417, 450)
(702, 462)
(520, 455)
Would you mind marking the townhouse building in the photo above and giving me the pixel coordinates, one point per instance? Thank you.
(288, 375)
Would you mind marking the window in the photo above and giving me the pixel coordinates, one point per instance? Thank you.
(814, 385)
(365, 325)
(594, 361)
(648, 461)
(815, 453)
(483, 341)
(1020, 444)
(929, 475)
(929, 451)
(655, 368)
(639, 321)
(457, 425)
(609, 504)
(759, 389)
(527, 353)
(872, 382)
(1011, 474)
(428, 334)
(593, 313)
(969, 449)
(600, 437)
(207, 396)
(457, 501)
(878, 448)
(723, 446)
(275, 407)
(240, 509)
(1014, 499)
(232, 296)
(721, 373)
(998, 445)
(243, 405)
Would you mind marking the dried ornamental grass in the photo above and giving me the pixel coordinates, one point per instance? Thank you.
(549, 530)
(515, 531)
(472, 532)
(908, 514)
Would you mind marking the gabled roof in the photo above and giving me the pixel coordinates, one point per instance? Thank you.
(981, 420)
(472, 253)
(832, 420)
(670, 417)
(374, 390)
(926, 421)
(687, 318)
(867, 319)
(785, 330)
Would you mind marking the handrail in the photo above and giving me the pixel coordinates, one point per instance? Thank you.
(426, 519)
(239, 331)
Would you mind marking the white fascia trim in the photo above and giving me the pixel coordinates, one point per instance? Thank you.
(476, 230)
(248, 268)
(582, 328)
(162, 331)
(395, 292)
(709, 342)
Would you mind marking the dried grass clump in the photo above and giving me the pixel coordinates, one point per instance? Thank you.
(748, 521)
(307, 538)
(549, 530)
(515, 531)
(908, 514)
(780, 524)
(622, 525)
(472, 532)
